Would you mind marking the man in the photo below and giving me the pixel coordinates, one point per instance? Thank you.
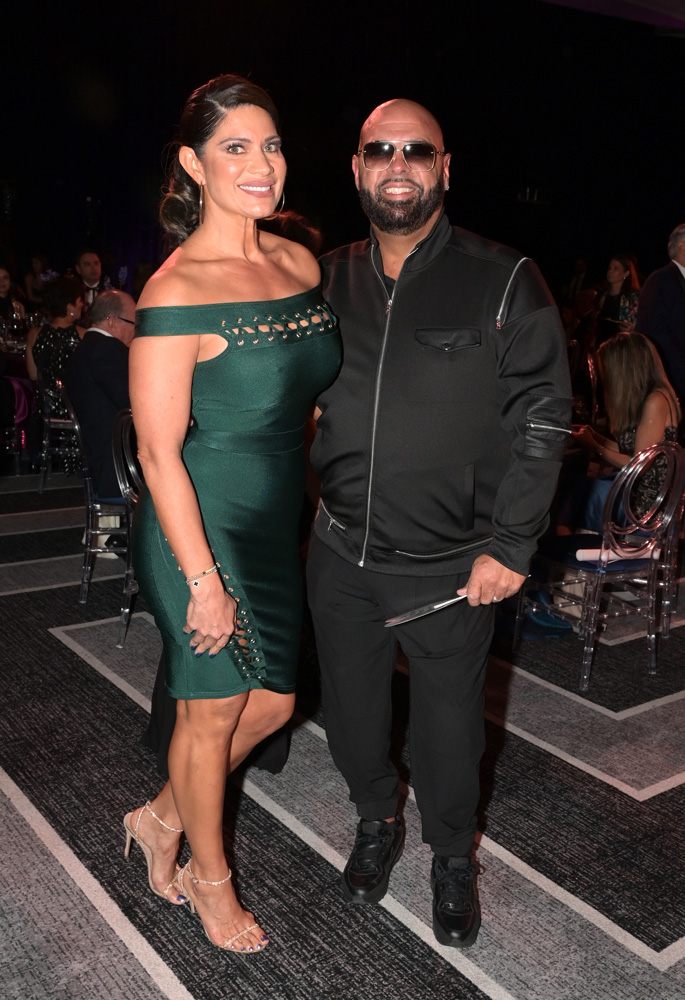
(438, 448)
(661, 310)
(89, 269)
(96, 379)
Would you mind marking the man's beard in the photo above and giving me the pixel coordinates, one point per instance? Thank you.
(401, 218)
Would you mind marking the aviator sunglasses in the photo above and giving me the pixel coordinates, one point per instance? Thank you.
(417, 155)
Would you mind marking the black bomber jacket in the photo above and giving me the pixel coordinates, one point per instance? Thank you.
(443, 434)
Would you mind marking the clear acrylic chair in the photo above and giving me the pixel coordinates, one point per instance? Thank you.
(93, 542)
(637, 552)
(58, 432)
(131, 484)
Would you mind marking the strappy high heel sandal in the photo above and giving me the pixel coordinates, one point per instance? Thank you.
(230, 943)
(133, 834)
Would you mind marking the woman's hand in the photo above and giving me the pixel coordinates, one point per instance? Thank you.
(211, 616)
(584, 436)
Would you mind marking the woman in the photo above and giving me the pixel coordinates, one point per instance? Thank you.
(643, 410)
(234, 340)
(49, 347)
(10, 306)
(618, 305)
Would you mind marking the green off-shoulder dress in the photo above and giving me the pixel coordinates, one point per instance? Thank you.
(244, 455)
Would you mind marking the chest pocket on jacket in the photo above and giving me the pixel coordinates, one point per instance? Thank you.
(448, 338)
(444, 364)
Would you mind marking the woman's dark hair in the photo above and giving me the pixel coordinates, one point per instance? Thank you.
(631, 283)
(630, 368)
(203, 113)
(57, 295)
(41, 258)
(7, 303)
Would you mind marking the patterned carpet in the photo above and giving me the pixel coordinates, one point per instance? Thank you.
(582, 819)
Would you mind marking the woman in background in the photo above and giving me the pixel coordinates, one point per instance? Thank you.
(10, 306)
(643, 410)
(618, 304)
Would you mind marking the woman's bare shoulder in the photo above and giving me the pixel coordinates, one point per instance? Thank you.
(656, 406)
(168, 286)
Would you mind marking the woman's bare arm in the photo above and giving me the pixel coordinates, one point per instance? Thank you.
(161, 373)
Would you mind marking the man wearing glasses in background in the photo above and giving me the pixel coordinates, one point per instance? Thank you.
(438, 448)
(96, 379)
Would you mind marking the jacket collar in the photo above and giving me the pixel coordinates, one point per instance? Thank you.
(429, 247)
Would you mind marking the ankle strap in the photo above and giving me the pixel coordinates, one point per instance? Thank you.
(204, 881)
(171, 829)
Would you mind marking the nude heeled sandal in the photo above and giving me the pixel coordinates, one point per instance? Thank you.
(133, 834)
(228, 944)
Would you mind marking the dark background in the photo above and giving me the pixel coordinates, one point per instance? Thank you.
(583, 110)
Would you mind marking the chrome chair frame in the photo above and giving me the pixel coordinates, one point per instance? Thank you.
(649, 544)
(131, 485)
(95, 509)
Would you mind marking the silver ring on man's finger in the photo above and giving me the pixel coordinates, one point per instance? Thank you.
(495, 600)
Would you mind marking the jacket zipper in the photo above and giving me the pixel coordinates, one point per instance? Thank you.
(448, 552)
(331, 520)
(376, 396)
(547, 427)
(505, 297)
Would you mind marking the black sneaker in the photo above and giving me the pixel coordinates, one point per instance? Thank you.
(377, 846)
(456, 911)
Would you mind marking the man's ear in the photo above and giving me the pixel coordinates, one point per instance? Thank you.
(355, 169)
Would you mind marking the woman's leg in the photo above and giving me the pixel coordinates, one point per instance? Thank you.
(264, 713)
(211, 737)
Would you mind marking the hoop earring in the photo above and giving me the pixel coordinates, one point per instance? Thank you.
(201, 206)
(274, 215)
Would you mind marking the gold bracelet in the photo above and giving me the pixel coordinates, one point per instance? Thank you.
(195, 580)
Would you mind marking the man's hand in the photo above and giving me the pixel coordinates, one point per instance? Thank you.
(490, 581)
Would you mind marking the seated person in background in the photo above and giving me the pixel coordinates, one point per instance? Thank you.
(643, 410)
(618, 304)
(10, 306)
(96, 379)
(48, 348)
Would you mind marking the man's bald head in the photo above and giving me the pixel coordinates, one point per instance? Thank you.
(400, 118)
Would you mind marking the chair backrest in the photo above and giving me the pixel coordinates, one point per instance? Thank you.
(128, 472)
(50, 398)
(76, 426)
(622, 527)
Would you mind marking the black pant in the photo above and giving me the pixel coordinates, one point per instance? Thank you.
(447, 653)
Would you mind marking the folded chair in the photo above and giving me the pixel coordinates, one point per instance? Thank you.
(590, 579)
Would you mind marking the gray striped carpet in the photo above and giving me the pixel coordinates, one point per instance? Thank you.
(582, 819)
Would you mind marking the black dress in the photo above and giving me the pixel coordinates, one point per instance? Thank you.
(54, 346)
